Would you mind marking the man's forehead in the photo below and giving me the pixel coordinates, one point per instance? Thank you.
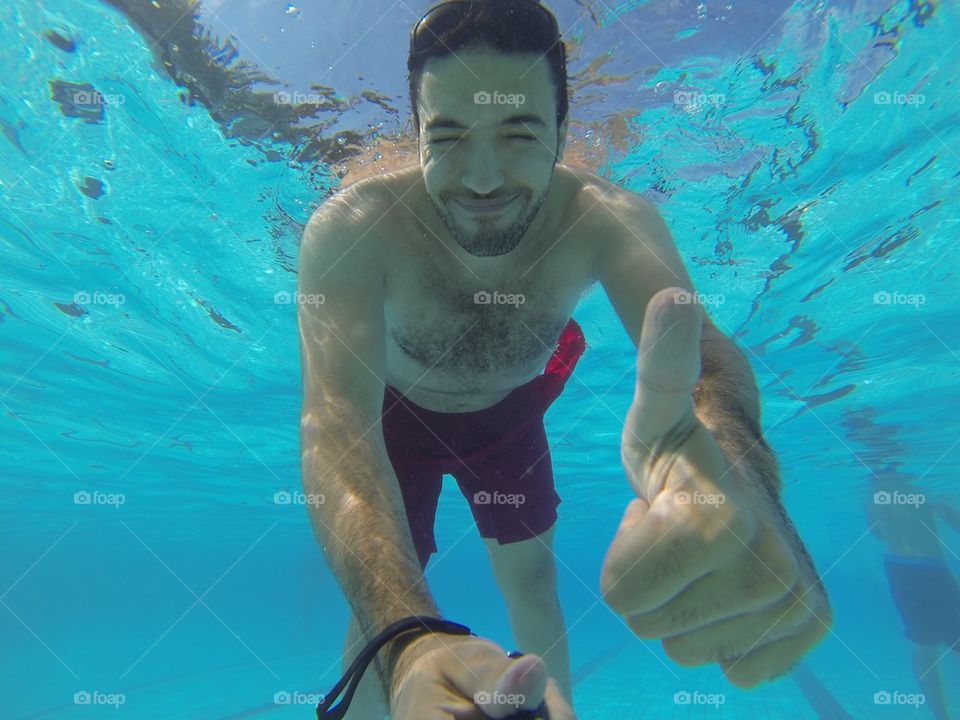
(473, 70)
(491, 88)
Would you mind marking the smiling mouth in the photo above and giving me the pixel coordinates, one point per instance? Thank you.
(486, 206)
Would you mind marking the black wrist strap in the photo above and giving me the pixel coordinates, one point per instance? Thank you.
(419, 623)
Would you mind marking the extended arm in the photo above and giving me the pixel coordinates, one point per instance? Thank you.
(358, 515)
(705, 557)
(727, 401)
(638, 260)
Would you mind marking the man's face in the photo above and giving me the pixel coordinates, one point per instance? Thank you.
(488, 143)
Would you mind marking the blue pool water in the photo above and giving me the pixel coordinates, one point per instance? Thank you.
(806, 157)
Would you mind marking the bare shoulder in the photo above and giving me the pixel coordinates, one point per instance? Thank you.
(610, 215)
(359, 208)
(609, 205)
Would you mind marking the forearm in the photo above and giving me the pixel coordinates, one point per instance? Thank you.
(727, 401)
(362, 527)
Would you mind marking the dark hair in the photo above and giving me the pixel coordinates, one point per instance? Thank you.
(489, 25)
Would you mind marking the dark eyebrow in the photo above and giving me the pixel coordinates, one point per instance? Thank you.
(441, 123)
(444, 123)
(527, 119)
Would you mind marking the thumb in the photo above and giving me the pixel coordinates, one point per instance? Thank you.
(668, 367)
(520, 687)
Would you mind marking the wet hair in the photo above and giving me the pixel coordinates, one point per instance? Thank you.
(489, 25)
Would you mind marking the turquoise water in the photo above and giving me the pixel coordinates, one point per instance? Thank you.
(146, 360)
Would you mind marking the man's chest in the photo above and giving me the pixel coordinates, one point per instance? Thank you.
(455, 324)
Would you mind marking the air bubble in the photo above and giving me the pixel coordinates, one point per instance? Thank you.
(292, 10)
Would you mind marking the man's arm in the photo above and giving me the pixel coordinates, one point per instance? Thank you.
(638, 259)
(361, 523)
(677, 566)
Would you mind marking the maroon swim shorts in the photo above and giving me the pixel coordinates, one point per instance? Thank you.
(499, 456)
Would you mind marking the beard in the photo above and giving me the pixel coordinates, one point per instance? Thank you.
(488, 240)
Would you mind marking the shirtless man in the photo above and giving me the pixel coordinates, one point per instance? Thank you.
(924, 588)
(435, 322)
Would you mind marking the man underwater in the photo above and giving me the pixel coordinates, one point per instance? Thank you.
(444, 335)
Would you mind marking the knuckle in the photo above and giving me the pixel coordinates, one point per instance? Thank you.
(793, 610)
(686, 653)
(648, 628)
(610, 586)
(812, 631)
(742, 672)
(680, 655)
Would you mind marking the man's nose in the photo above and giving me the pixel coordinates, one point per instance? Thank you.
(483, 173)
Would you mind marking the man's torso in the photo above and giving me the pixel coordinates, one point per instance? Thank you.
(444, 350)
